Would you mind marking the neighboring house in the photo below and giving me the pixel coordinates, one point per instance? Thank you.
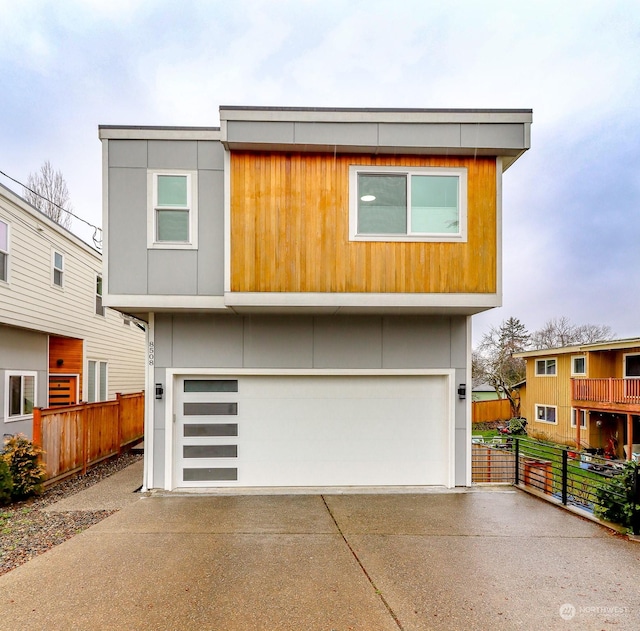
(58, 344)
(485, 392)
(309, 277)
(599, 384)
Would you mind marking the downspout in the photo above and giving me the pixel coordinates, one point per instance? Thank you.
(149, 403)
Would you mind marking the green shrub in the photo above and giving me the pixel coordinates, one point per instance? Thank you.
(23, 459)
(6, 483)
(616, 501)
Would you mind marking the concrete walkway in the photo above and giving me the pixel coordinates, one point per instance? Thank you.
(482, 559)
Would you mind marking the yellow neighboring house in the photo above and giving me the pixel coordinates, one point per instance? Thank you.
(597, 383)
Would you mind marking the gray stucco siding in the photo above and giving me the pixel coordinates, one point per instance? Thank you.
(135, 269)
(127, 236)
(196, 341)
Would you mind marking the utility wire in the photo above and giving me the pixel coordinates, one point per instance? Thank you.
(95, 228)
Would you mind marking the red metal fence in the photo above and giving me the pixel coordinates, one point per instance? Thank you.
(77, 436)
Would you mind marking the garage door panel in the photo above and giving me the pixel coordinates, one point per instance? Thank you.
(313, 431)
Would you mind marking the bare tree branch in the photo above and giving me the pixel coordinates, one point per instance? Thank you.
(47, 191)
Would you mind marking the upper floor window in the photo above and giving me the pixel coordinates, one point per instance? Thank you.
(579, 365)
(58, 269)
(546, 367)
(172, 209)
(4, 251)
(408, 204)
(99, 307)
(20, 394)
(632, 366)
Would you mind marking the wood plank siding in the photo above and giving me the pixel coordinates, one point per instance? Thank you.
(67, 349)
(290, 230)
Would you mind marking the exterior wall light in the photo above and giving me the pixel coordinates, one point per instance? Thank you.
(462, 391)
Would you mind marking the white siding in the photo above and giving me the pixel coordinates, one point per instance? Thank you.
(30, 299)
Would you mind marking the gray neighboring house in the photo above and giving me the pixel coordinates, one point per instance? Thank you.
(308, 276)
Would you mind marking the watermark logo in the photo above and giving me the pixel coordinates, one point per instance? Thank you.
(567, 611)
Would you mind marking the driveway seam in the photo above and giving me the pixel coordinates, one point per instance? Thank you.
(362, 567)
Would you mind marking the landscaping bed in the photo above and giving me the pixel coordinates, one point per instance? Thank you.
(26, 530)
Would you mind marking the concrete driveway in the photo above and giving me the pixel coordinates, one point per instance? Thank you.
(481, 559)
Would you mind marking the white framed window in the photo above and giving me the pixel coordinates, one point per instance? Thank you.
(407, 203)
(631, 367)
(4, 251)
(99, 307)
(57, 270)
(172, 220)
(20, 393)
(583, 418)
(546, 414)
(546, 367)
(97, 381)
(578, 365)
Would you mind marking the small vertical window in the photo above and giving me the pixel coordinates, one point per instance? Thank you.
(58, 269)
(579, 365)
(4, 251)
(21, 394)
(583, 418)
(97, 381)
(172, 205)
(99, 307)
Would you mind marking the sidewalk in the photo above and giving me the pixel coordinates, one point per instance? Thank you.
(472, 560)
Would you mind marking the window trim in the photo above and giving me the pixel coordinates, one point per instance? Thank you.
(573, 372)
(546, 373)
(6, 252)
(19, 373)
(460, 172)
(624, 365)
(583, 415)
(96, 382)
(152, 207)
(540, 420)
(55, 269)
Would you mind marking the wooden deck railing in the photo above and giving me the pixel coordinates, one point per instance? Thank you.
(606, 390)
(77, 436)
(486, 411)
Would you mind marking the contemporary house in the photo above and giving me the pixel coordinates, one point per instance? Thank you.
(59, 345)
(587, 396)
(308, 276)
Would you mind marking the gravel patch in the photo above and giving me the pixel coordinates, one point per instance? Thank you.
(26, 530)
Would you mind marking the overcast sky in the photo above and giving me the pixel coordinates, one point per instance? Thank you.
(571, 203)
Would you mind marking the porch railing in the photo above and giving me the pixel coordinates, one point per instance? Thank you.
(606, 390)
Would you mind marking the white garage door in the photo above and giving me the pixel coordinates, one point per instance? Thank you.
(311, 430)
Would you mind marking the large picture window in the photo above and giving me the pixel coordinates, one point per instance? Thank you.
(173, 209)
(20, 394)
(400, 204)
(4, 251)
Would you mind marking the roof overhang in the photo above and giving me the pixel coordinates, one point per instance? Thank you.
(504, 133)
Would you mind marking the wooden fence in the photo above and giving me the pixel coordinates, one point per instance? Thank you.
(486, 411)
(491, 464)
(77, 436)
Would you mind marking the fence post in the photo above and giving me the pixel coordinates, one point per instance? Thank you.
(635, 501)
(517, 463)
(565, 471)
(119, 421)
(37, 427)
(85, 437)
